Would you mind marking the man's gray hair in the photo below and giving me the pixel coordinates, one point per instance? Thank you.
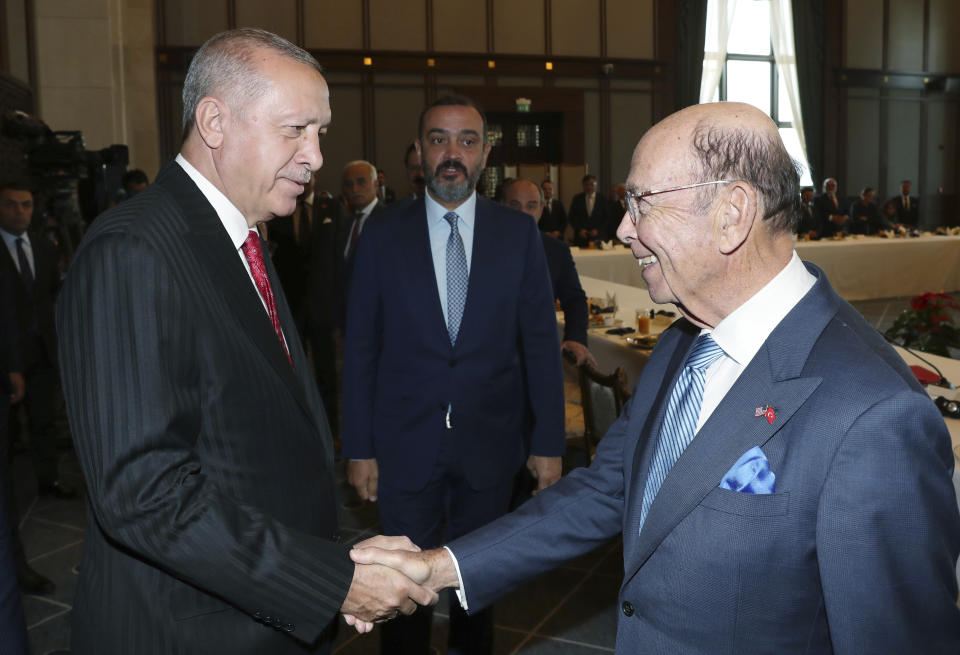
(225, 67)
(756, 158)
(362, 162)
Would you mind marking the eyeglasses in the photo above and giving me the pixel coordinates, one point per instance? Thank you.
(633, 198)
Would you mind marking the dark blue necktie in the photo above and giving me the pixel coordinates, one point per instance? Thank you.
(680, 420)
(26, 273)
(457, 278)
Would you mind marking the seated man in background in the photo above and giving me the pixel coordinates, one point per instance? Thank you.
(865, 217)
(808, 218)
(831, 217)
(523, 195)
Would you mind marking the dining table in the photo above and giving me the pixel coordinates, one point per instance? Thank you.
(859, 267)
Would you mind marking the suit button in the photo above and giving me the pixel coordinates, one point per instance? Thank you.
(258, 615)
(627, 608)
(289, 627)
(335, 538)
(452, 363)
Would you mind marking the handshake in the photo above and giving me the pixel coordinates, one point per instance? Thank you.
(393, 576)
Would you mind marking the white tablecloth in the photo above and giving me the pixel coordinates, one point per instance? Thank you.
(858, 268)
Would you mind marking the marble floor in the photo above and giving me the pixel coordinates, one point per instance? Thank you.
(568, 611)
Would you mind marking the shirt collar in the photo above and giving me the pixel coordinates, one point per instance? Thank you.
(466, 211)
(369, 208)
(744, 330)
(11, 239)
(233, 221)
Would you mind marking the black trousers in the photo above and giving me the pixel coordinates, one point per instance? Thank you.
(445, 509)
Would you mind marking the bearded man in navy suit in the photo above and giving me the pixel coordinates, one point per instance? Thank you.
(781, 481)
(450, 354)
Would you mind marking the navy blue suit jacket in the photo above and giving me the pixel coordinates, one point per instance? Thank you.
(401, 373)
(567, 289)
(853, 553)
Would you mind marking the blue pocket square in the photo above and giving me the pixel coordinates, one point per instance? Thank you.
(751, 474)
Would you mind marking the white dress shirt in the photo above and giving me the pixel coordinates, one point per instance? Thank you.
(743, 331)
(10, 241)
(233, 221)
(439, 230)
(364, 215)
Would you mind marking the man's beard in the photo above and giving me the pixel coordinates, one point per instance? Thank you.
(447, 191)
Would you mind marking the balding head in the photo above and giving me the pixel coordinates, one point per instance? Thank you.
(708, 248)
(525, 196)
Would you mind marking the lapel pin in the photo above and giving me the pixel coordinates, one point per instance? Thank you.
(766, 412)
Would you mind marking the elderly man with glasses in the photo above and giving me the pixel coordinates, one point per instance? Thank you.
(781, 481)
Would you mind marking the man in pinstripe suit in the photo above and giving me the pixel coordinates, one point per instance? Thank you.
(203, 440)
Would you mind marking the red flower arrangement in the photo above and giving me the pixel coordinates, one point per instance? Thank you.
(928, 324)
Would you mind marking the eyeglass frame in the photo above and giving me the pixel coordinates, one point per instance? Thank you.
(633, 198)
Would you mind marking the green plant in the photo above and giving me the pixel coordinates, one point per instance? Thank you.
(928, 324)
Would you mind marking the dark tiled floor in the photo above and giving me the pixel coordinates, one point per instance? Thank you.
(567, 611)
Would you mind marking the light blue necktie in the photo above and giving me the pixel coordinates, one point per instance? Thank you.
(680, 420)
(457, 278)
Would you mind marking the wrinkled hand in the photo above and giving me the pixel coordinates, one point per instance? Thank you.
(18, 386)
(432, 569)
(363, 475)
(379, 593)
(546, 470)
(580, 352)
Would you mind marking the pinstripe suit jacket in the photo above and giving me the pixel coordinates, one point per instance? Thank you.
(207, 458)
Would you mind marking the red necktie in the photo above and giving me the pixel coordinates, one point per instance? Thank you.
(253, 253)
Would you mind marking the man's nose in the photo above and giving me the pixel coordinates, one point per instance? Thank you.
(626, 231)
(310, 153)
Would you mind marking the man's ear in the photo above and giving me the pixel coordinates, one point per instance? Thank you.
(211, 117)
(737, 216)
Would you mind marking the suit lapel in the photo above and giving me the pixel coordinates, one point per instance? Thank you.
(216, 254)
(773, 378)
(421, 282)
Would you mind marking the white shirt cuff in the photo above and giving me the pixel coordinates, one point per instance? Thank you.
(461, 592)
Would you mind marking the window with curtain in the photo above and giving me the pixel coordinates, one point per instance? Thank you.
(749, 57)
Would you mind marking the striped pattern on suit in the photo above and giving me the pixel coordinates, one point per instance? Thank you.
(207, 457)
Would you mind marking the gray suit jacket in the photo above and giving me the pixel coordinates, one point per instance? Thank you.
(853, 553)
(208, 460)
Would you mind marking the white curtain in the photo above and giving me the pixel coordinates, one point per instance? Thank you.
(785, 54)
(719, 22)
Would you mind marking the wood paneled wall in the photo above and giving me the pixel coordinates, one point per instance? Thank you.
(492, 50)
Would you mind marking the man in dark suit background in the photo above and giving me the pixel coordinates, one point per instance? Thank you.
(865, 218)
(451, 352)
(31, 261)
(907, 206)
(831, 214)
(553, 220)
(781, 480)
(590, 214)
(808, 218)
(212, 522)
(523, 195)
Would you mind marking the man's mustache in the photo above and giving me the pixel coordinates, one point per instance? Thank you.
(450, 163)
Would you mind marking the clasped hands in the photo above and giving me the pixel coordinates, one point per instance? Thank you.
(393, 576)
